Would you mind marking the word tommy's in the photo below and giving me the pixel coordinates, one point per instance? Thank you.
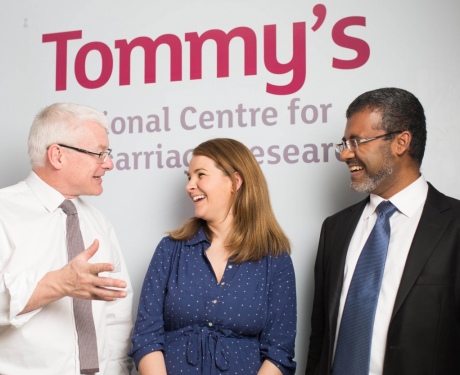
(293, 67)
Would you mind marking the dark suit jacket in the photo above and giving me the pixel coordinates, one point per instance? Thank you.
(424, 331)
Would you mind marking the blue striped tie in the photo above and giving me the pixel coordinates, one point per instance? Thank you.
(352, 356)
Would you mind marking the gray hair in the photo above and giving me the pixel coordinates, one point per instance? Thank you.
(59, 123)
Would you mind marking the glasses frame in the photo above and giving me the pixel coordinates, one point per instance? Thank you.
(100, 155)
(352, 144)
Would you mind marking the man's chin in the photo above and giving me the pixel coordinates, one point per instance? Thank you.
(95, 192)
(361, 187)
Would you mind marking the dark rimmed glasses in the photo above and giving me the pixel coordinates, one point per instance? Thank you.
(101, 156)
(352, 144)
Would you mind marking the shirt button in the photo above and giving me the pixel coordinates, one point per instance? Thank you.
(222, 283)
(230, 266)
(210, 324)
(215, 301)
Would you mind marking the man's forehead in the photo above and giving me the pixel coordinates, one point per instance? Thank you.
(366, 120)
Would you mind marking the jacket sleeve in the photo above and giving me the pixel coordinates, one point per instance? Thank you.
(318, 311)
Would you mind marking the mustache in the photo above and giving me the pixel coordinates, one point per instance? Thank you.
(355, 161)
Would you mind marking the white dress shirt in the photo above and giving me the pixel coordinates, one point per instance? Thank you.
(403, 223)
(32, 243)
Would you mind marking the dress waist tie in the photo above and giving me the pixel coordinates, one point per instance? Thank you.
(205, 346)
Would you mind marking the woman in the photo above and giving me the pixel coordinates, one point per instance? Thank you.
(219, 294)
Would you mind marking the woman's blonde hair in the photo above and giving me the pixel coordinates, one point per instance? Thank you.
(255, 230)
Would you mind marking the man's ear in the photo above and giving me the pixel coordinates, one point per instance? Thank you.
(54, 155)
(403, 141)
(239, 180)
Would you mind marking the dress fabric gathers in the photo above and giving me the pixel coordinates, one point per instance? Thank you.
(210, 328)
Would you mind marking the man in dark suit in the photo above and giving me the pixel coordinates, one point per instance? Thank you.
(416, 326)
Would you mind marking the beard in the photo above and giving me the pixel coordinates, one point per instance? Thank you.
(372, 181)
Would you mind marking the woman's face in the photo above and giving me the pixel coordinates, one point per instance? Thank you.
(210, 189)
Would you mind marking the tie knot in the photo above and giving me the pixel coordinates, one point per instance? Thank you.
(386, 208)
(68, 207)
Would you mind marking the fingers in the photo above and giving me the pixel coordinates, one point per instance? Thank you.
(80, 279)
(90, 251)
(90, 286)
(97, 268)
(106, 288)
(105, 282)
(107, 294)
(99, 287)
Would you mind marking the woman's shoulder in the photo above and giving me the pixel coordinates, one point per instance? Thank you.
(283, 257)
(169, 244)
(279, 262)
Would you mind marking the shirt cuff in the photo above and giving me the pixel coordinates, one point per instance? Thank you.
(21, 287)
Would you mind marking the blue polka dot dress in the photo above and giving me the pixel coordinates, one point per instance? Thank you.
(209, 328)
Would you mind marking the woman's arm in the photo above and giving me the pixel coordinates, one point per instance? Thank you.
(153, 364)
(268, 368)
(148, 334)
(277, 339)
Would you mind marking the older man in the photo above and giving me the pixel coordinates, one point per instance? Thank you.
(65, 294)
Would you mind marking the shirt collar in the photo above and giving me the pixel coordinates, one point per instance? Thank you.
(197, 238)
(48, 196)
(407, 201)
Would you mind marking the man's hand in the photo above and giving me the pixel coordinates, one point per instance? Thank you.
(80, 279)
(77, 279)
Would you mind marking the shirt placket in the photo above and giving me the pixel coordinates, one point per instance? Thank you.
(216, 305)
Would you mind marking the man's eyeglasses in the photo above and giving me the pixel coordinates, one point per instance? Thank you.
(352, 144)
(101, 156)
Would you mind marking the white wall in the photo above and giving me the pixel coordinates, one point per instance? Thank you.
(413, 45)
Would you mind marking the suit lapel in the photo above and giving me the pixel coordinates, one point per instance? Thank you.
(430, 229)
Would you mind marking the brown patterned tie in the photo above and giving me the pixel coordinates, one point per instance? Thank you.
(82, 309)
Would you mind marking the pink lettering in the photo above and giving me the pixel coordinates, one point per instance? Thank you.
(341, 39)
(61, 54)
(223, 41)
(149, 46)
(80, 65)
(295, 66)
(298, 63)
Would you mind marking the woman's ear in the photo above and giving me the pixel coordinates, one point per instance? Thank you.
(238, 180)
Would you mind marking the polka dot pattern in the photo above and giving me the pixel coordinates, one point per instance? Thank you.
(205, 327)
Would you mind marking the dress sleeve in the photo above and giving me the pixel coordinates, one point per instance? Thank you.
(148, 335)
(278, 336)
